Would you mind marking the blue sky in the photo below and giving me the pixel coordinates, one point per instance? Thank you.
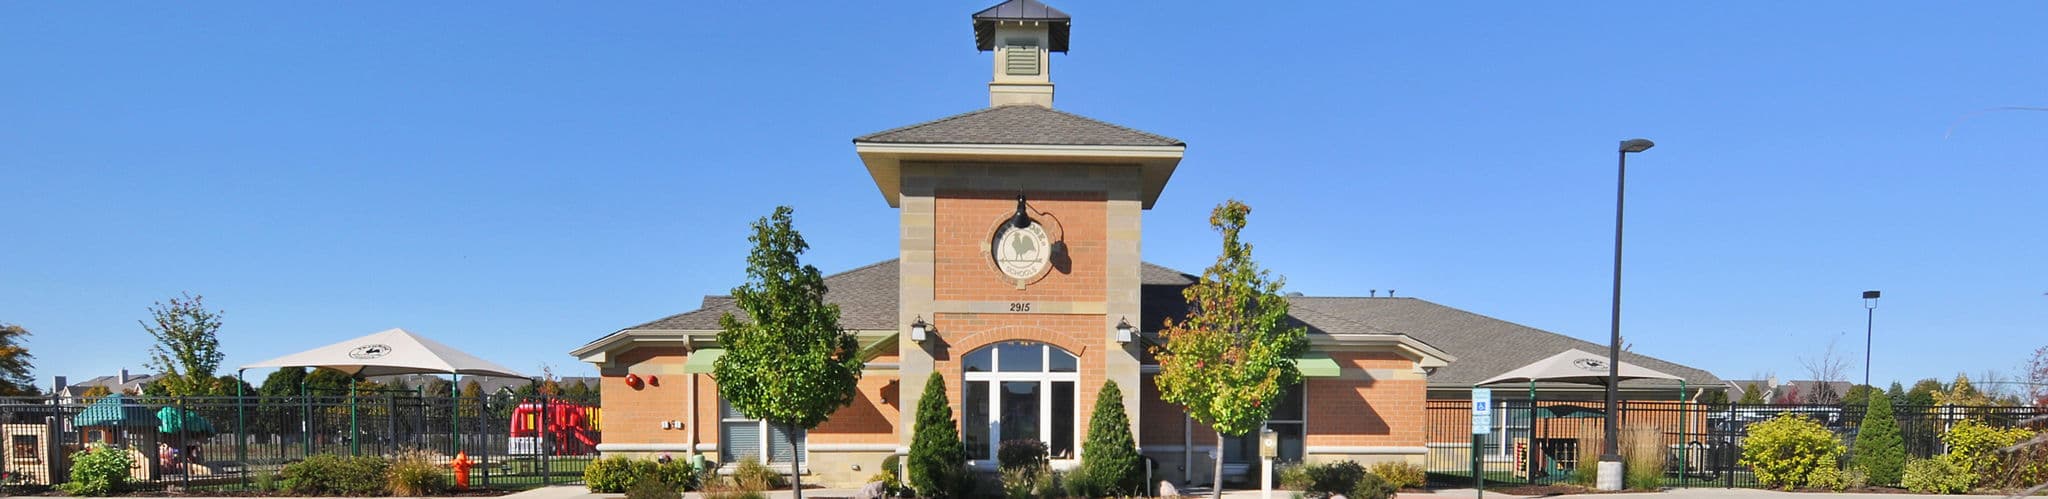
(518, 178)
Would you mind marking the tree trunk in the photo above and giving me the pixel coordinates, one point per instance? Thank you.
(796, 460)
(1216, 480)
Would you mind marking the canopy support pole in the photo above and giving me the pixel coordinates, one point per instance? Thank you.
(1684, 458)
(455, 415)
(355, 447)
(1532, 455)
(241, 428)
(305, 416)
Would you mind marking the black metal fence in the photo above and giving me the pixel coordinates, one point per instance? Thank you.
(241, 443)
(1557, 441)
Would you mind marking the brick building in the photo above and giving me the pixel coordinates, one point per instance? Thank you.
(1019, 264)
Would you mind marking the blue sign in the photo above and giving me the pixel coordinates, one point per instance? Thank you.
(1482, 411)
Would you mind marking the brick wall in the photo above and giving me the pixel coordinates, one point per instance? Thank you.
(635, 415)
(966, 220)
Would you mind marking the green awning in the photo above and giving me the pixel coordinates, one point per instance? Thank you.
(1317, 366)
(703, 361)
(174, 421)
(115, 410)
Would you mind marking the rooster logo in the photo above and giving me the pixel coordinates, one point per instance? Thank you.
(1022, 253)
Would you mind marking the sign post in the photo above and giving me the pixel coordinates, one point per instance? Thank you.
(1482, 425)
(1269, 448)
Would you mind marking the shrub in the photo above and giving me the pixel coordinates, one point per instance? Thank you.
(1030, 482)
(1857, 479)
(1400, 474)
(675, 473)
(99, 471)
(1329, 479)
(734, 494)
(1081, 483)
(1880, 451)
(415, 473)
(1370, 486)
(1291, 476)
(1585, 474)
(1829, 478)
(1786, 450)
(612, 475)
(1973, 446)
(332, 475)
(938, 462)
(750, 474)
(1643, 454)
(653, 489)
(2019, 469)
(1022, 453)
(1936, 476)
(1109, 456)
(892, 484)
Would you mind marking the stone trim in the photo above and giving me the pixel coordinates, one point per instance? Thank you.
(1365, 449)
(618, 447)
(852, 448)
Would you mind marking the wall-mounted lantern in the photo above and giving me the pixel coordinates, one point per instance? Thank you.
(917, 329)
(1124, 330)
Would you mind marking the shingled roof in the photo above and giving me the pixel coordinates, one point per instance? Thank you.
(866, 297)
(1019, 124)
(1485, 346)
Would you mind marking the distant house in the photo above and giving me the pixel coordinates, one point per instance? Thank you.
(1796, 391)
(122, 382)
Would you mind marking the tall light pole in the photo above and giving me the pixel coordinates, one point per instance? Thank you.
(1869, 314)
(1610, 459)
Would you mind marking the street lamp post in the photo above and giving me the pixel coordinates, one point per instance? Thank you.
(1610, 459)
(1869, 313)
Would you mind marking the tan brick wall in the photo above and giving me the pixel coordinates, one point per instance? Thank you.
(635, 415)
(966, 220)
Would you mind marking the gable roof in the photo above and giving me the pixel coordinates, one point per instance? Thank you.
(866, 297)
(1485, 346)
(1021, 10)
(1019, 124)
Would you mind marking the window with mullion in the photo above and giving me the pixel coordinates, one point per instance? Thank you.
(1019, 390)
(740, 438)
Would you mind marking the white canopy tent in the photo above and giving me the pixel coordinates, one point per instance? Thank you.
(1578, 367)
(389, 352)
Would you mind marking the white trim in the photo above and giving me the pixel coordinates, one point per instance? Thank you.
(1367, 449)
(707, 447)
(852, 448)
(1044, 377)
(634, 447)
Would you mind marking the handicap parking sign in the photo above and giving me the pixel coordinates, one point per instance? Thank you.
(1482, 411)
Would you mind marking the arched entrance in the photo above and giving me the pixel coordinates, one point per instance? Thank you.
(1020, 390)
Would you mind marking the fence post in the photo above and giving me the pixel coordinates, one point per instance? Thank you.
(547, 474)
(184, 452)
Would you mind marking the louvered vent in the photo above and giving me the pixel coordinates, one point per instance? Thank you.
(1021, 60)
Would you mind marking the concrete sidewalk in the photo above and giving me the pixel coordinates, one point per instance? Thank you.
(578, 492)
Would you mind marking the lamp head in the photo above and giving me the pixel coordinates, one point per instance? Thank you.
(1636, 145)
(1021, 219)
(1124, 330)
(1870, 295)
(917, 329)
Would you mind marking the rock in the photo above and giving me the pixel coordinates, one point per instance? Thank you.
(872, 491)
(1166, 489)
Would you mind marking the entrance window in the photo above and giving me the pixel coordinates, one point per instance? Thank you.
(741, 438)
(1020, 390)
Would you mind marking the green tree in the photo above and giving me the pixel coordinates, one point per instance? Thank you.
(787, 362)
(1896, 392)
(93, 394)
(1961, 393)
(328, 382)
(1231, 358)
(1715, 398)
(283, 382)
(1880, 451)
(938, 461)
(1109, 457)
(16, 363)
(1924, 392)
(187, 351)
(1752, 394)
(1859, 395)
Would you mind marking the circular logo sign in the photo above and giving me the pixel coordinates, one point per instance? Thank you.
(1591, 364)
(1022, 253)
(372, 351)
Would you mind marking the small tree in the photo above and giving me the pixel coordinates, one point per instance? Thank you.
(1880, 451)
(938, 461)
(1752, 394)
(16, 363)
(1230, 359)
(1896, 392)
(788, 362)
(2036, 376)
(283, 382)
(1110, 457)
(1924, 392)
(187, 351)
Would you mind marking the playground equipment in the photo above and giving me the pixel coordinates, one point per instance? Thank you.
(554, 427)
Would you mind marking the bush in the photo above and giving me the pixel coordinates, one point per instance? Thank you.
(1400, 474)
(2022, 468)
(415, 473)
(1025, 454)
(734, 494)
(1936, 476)
(1291, 476)
(750, 474)
(1857, 479)
(1788, 449)
(938, 462)
(1828, 478)
(1643, 454)
(1030, 482)
(1371, 486)
(1329, 479)
(332, 475)
(99, 471)
(675, 473)
(1880, 451)
(892, 485)
(653, 489)
(1081, 483)
(615, 474)
(1973, 446)
(1109, 457)
(1585, 474)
